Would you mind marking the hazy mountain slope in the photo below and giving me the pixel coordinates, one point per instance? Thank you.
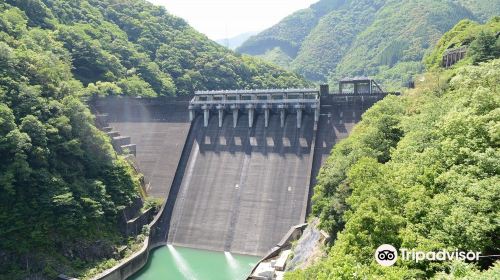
(276, 56)
(483, 10)
(289, 33)
(382, 38)
(328, 42)
(235, 41)
(288, 39)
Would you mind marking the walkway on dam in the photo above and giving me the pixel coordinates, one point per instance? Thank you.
(242, 189)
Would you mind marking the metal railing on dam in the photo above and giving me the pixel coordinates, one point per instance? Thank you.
(282, 100)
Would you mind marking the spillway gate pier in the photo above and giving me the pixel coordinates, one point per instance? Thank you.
(281, 101)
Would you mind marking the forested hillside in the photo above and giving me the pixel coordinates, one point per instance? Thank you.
(140, 49)
(61, 184)
(420, 171)
(464, 34)
(385, 39)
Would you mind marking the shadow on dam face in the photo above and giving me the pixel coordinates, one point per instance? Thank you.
(242, 188)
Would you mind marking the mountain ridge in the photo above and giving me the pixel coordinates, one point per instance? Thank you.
(380, 38)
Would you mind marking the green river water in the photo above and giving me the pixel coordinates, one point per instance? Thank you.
(179, 263)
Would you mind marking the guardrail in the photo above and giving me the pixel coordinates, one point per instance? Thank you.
(256, 91)
(365, 94)
(244, 102)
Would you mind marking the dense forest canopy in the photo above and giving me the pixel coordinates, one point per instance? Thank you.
(385, 39)
(420, 171)
(61, 183)
(464, 34)
(135, 48)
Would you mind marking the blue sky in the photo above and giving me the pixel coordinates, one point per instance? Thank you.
(226, 18)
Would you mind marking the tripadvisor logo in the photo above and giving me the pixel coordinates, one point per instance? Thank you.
(387, 255)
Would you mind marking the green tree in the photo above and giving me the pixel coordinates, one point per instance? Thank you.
(485, 47)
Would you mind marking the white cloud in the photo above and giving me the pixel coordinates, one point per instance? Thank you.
(226, 18)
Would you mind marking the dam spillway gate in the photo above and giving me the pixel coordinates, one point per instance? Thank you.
(231, 183)
(281, 100)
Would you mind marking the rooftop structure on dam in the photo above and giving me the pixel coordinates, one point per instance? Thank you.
(359, 85)
(282, 101)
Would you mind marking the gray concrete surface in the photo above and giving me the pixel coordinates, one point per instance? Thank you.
(337, 119)
(159, 132)
(242, 189)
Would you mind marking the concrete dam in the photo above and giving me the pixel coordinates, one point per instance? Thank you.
(233, 187)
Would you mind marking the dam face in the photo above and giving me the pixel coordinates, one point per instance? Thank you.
(337, 119)
(158, 128)
(243, 188)
(234, 189)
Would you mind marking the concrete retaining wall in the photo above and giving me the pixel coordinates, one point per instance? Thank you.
(131, 211)
(132, 220)
(293, 234)
(134, 263)
(134, 226)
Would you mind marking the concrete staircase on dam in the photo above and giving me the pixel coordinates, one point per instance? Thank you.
(230, 188)
(132, 218)
(158, 128)
(121, 144)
